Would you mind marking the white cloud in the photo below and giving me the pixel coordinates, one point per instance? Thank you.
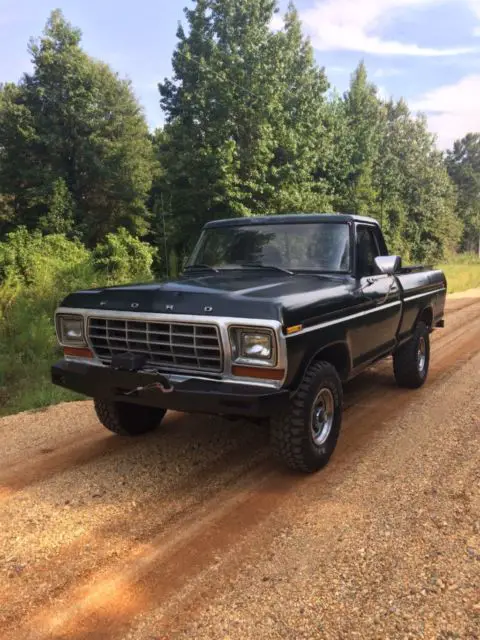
(276, 23)
(452, 110)
(383, 93)
(352, 25)
(474, 6)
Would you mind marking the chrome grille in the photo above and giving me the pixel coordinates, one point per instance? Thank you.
(167, 345)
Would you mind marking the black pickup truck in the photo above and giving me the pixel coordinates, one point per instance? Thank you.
(270, 317)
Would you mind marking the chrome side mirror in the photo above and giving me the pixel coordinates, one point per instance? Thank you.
(388, 264)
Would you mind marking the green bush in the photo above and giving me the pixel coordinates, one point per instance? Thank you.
(122, 257)
(36, 273)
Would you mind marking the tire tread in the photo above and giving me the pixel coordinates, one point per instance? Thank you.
(127, 419)
(288, 433)
(405, 360)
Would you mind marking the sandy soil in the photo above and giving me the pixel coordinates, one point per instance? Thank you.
(194, 532)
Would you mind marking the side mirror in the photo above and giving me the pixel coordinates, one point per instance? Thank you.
(388, 264)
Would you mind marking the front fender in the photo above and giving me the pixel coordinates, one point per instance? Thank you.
(307, 346)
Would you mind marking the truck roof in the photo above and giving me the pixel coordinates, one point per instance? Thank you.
(288, 219)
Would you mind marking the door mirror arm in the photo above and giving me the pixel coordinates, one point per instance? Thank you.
(369, 282)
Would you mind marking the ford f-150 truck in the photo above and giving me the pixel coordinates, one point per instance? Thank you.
(270, 317)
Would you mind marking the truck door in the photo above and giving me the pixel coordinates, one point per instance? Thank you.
(374, 331)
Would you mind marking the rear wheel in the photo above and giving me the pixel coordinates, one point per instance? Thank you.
(305, 437)
(411, 360)
(127, 419)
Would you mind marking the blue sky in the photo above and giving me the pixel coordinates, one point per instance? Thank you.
(427, 51)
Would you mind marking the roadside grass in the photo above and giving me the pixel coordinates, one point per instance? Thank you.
(36, 273)
(462, 272)
(28, 348)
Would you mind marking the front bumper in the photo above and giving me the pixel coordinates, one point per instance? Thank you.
(190, 395)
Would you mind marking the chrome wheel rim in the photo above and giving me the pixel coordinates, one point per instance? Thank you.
(322, 416)
(421, 354)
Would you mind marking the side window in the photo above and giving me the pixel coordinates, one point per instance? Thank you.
(367, 251)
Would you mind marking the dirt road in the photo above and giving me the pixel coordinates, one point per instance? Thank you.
(194, 532)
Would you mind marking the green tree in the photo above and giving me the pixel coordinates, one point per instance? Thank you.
(389, 175)
(463, 165)
(432, 226)
(364, 113)
(74, 142)
(60, 215)
(245, 117)
(218, 139)
(333, 165)
(301, 127)
(385, 165)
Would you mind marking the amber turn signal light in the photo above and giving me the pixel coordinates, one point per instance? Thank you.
(295, 329)
(258, 372)
(77, 353)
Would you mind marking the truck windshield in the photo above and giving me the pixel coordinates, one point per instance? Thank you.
(321, 246)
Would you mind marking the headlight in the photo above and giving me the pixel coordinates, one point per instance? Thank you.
(70, 330)
(253, 346)
(256, 345)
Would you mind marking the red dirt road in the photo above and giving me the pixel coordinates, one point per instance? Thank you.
(194, 531)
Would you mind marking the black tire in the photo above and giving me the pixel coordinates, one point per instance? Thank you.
(127, 419)
(293, 436)
(411, 360)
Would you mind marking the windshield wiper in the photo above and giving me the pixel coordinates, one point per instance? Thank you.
(260, 265)
(199, 267)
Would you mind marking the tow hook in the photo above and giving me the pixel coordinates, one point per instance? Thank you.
(150, 387)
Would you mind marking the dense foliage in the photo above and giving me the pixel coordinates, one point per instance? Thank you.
(251, 128)
(89, 196)
(36, 271)
(75, 151)
(463, 164)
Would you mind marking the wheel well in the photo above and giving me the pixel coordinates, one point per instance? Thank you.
(426, 316)
(338, 355)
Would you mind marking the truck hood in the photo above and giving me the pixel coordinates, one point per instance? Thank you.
(238, 294)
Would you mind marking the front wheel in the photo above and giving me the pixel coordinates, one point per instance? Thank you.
(127, 419)
(306, 435)
(411, 360)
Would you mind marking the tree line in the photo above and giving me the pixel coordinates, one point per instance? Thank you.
(251, 127)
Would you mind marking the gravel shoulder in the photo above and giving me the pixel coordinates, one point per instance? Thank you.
(194, 532)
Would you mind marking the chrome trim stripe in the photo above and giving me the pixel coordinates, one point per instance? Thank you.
(422, 295)
(250, 382)
(363, 313)
(223, 323)
(329, 323)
